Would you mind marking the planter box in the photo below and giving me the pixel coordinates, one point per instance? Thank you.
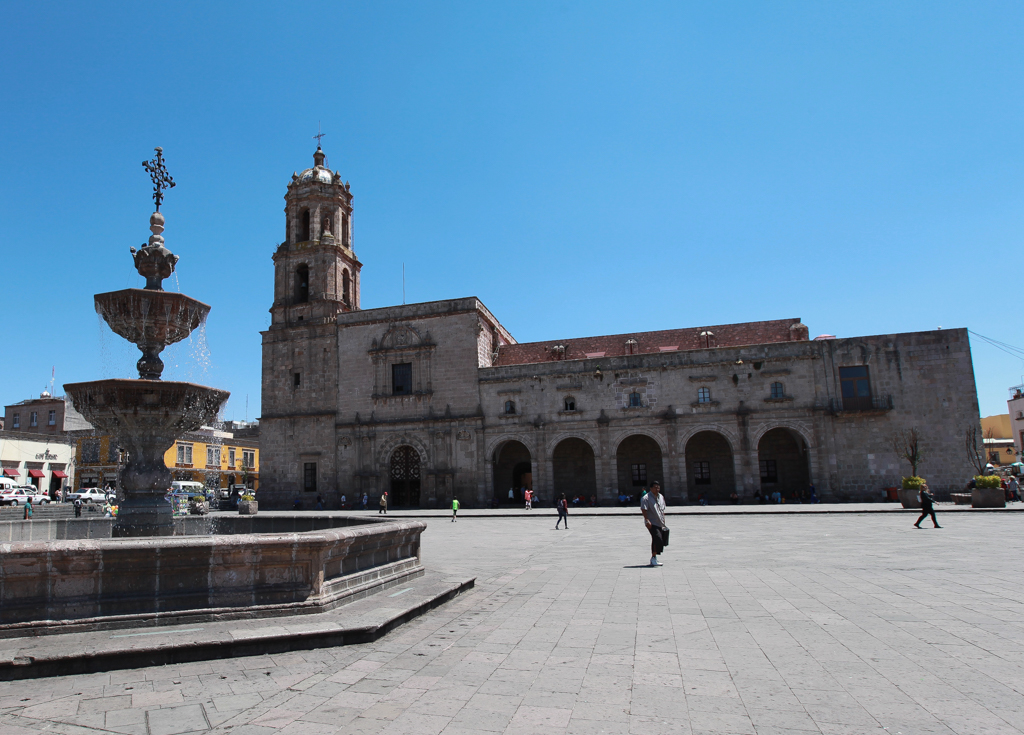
(248, 507)
(909, 498)
(988, 497)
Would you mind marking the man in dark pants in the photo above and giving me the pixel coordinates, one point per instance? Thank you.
(652, 506)
(927, 507)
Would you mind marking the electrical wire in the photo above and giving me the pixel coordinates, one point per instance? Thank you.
(1007, 348)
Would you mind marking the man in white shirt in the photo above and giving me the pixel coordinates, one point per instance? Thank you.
(652, 506)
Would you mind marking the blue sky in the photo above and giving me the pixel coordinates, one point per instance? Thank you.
(583, 168)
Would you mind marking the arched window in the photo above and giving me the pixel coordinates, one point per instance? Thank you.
(302, 284)
(570, 403)
(635, 400)
(778, 390)
(344, 229)
(703, 395)
(304, 226)
(345, 287)
(631, 346)
(510, 408)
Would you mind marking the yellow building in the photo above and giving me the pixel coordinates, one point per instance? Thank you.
(215, 461)
(998, 438)
(215, 458)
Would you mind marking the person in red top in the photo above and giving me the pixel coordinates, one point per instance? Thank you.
(528, 495)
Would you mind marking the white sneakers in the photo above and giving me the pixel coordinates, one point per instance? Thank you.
(655, 562)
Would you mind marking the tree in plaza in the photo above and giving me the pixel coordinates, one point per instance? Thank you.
(907, 445)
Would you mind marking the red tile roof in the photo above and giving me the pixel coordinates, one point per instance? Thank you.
(614, 345)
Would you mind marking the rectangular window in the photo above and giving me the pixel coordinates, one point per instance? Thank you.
(639, 474)
(213, 457)
(91, 450)
(769, 471)
(296, 379)
(16, 421)
(33, 419)
(52, 421)
(185, 454)
(856, 388)
(231, 457)
(249, 459)
(993, 457)
(309, 477)
(401, 379)
(701, 473)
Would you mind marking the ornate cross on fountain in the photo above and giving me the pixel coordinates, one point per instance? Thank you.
(158, 172)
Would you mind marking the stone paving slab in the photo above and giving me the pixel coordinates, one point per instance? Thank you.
(361, 621)
(837, 624)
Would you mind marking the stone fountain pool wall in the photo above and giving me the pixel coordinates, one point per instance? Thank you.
(240, 567)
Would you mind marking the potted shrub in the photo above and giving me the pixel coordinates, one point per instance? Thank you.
(909, 490)
(988, 492)
(906, 443)
(247, 505)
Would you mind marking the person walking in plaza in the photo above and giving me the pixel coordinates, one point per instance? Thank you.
(653, 509)
(383, 503)
(1014, 488)
(78, 507)
(28, 509)
(455, 509)
(366, 501)
(563, 511)
(927, 506)
(528, 496)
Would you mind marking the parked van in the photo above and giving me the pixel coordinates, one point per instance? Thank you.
(188, 487)
(6, 483)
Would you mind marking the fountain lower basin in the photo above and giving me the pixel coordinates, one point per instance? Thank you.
(145, 417)
(62, 586)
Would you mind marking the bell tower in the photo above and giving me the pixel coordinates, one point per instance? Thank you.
(316, 272)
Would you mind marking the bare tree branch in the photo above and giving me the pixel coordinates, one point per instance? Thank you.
(975, 454)
(907, 445)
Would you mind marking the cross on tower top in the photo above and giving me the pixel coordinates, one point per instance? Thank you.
(318, 135)
(158, 173)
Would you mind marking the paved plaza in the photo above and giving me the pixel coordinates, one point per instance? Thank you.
(842, 624)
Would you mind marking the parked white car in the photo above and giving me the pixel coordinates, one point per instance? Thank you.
(89, 495)
(21, 494)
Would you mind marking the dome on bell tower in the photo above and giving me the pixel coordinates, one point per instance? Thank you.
(319, 172)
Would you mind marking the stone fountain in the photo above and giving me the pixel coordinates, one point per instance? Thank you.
(75, 577)
(146, 416)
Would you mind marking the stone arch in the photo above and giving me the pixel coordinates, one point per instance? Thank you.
(495, 444)
(659, 439)
(559, 438)
(710, 466)
(639, 462)
(783, 458)
(388, 446)
(691, 431)
(802, 431)
(513, 470)
(574, 467)
(304, 226)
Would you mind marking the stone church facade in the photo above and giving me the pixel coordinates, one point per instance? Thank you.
(434, 400)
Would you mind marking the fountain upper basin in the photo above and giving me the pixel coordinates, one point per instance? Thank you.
(149, 317)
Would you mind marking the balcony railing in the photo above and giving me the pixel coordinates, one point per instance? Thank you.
(860, 403)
